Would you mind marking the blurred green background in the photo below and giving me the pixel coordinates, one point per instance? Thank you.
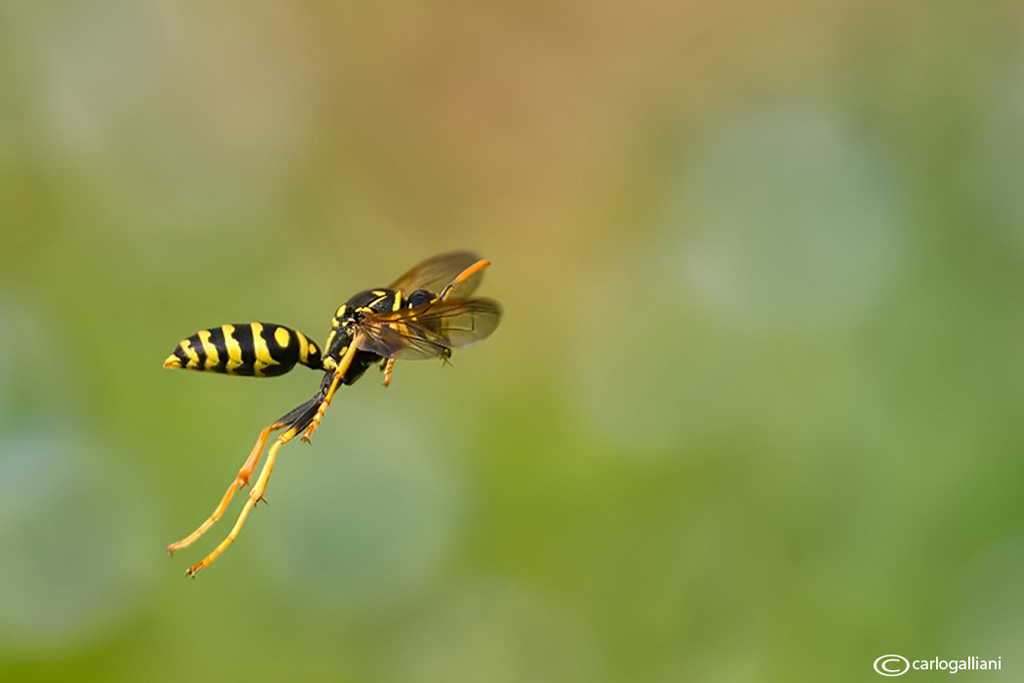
(753, 412)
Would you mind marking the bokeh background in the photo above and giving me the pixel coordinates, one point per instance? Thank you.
(753, 412)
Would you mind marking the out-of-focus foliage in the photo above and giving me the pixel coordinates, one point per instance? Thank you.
(753, 413)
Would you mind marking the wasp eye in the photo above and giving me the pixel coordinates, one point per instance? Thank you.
(420, 297)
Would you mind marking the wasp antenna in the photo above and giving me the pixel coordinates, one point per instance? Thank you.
(463, 276)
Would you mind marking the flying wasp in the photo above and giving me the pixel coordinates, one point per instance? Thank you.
(425, 313)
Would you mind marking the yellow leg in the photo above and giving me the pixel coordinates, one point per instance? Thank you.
(241, 480)
(255, 495)
(339, 373)
(388, 365)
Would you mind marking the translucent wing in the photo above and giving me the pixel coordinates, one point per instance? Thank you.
(434, 273)
(428, 331)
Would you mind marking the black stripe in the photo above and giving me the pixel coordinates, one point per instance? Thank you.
(180, 354)
(243, 335)
(197, 346)
(217, 339)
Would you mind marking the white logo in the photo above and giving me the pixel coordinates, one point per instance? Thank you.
(892, 665)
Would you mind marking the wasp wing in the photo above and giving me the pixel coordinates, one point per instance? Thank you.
(430, 330)
(436, 272)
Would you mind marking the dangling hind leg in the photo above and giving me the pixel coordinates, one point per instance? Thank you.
(255, 496)
(243, 474)
(387, 367)
(305, 417)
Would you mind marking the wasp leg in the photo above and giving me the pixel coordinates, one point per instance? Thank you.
(307, 416)
(243, 475)
(255, 495)
(296, 421)
(461, 277)
(339, 373)
(388, 364)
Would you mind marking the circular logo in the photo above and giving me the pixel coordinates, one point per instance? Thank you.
(892, 665)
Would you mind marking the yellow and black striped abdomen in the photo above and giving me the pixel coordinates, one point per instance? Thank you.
(250, 349)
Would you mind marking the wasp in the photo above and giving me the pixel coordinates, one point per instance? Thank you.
(426, 313)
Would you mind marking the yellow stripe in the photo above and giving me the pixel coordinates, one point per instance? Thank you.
(193, 357)
(212, 357)
(398, 301)
(303, 347)
(263, 357)
(234, 350)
